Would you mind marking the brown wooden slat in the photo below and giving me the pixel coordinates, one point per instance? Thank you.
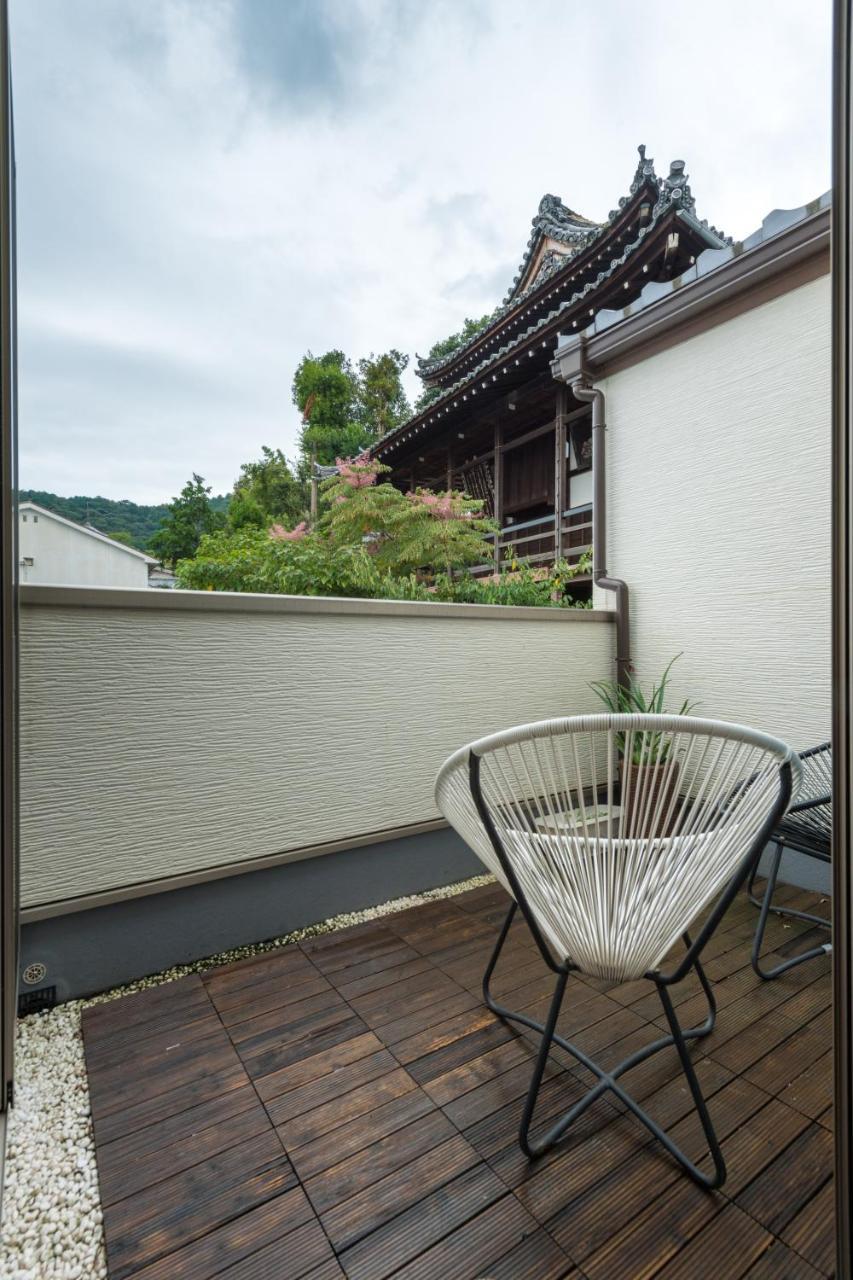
(138, 1115)
(812, 1232)
(733, 1241)
(362, 1131)
(295, 1102)
(311, 1036)
(654, 1237)
(396, 1151)
(289, 1022)
(248, 1003)
(122, 1175)
(317, 1065)
(364, 1067)
(475, 1249)
(191, 1204)
(287, 963)
(142, 1008)
(233, 1242)
(429, 988)
(304, 1254)
(406, 1238)
(362, 1213)
(781, 1263)
(172, 1128)
(422, 1012)
(117, 1088)
(357, 1102)
(788, 1184)
(380, 972)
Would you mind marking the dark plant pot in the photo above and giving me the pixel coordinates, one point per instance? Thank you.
(650, 789)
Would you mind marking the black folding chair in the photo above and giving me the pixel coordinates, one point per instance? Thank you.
(807, 829)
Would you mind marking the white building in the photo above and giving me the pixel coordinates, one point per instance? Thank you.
(57, 551)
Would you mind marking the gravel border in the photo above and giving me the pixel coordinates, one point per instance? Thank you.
(52, 1222)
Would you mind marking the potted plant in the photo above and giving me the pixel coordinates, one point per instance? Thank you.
(646, 771)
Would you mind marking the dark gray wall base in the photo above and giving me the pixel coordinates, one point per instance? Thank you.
(91, 951)
(805, 872)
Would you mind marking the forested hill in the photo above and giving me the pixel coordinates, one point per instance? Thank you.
(109, 515)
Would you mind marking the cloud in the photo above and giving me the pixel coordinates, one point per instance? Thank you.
(206, 190)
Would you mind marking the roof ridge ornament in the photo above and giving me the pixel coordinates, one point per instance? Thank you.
(645, 170)
(675, 189)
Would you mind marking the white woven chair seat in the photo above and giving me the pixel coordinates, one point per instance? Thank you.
(615, 863)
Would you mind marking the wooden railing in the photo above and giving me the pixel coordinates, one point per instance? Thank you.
(533, 541)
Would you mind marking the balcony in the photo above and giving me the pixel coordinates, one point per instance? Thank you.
(342, 1103)
(347, 1107)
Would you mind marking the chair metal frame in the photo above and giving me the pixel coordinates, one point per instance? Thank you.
(801, 838)
(679, 1037)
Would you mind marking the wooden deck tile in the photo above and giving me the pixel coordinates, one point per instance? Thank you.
(781, 1263)
(396, 1151)
(733, 1240)
(811, 1233)
(407, 1238)
(193, 1203)
(348, 1109)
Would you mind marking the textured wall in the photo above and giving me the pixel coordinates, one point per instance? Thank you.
(156, 741)
(719, 513)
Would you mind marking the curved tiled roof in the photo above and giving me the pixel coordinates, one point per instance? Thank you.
(673, 192)
(558, 222)
(553, 221)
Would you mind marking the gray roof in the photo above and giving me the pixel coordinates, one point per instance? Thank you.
(777, 220)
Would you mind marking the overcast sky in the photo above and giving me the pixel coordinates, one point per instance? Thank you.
(209, 188)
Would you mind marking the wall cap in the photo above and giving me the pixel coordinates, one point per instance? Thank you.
(170, 601)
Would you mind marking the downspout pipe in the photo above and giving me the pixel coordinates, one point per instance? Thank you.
(582, 390)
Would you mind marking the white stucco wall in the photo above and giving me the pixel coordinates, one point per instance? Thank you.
(197, 731)
(67, 556)
(719, 513)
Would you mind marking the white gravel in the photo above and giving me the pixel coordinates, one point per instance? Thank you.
(52, 1222)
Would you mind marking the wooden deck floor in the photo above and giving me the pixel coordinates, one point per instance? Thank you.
(348, 1107)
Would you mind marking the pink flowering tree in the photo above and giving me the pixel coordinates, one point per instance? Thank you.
(443, 531)
(420, 532)
(362, 509)
(279, 534)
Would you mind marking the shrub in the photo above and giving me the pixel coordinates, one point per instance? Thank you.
(252, 560)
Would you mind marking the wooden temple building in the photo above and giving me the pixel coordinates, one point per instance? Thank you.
(499, 426)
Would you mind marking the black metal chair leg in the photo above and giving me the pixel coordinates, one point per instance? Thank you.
(719, 1175)
(808, 916)
(766, 908)
(609, 1080)
(529, 1147)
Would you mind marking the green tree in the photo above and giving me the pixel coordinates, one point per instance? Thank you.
(245, 512)
(188, 518)
(267, 490)
(325, 391)
(445, 347)
(122, 536)
(382, 400)
(110, 515)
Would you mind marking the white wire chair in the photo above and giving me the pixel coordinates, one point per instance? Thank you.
(612, 833)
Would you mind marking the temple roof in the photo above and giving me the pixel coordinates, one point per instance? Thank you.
(561, 226)
(554, 221)
(553, 283)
